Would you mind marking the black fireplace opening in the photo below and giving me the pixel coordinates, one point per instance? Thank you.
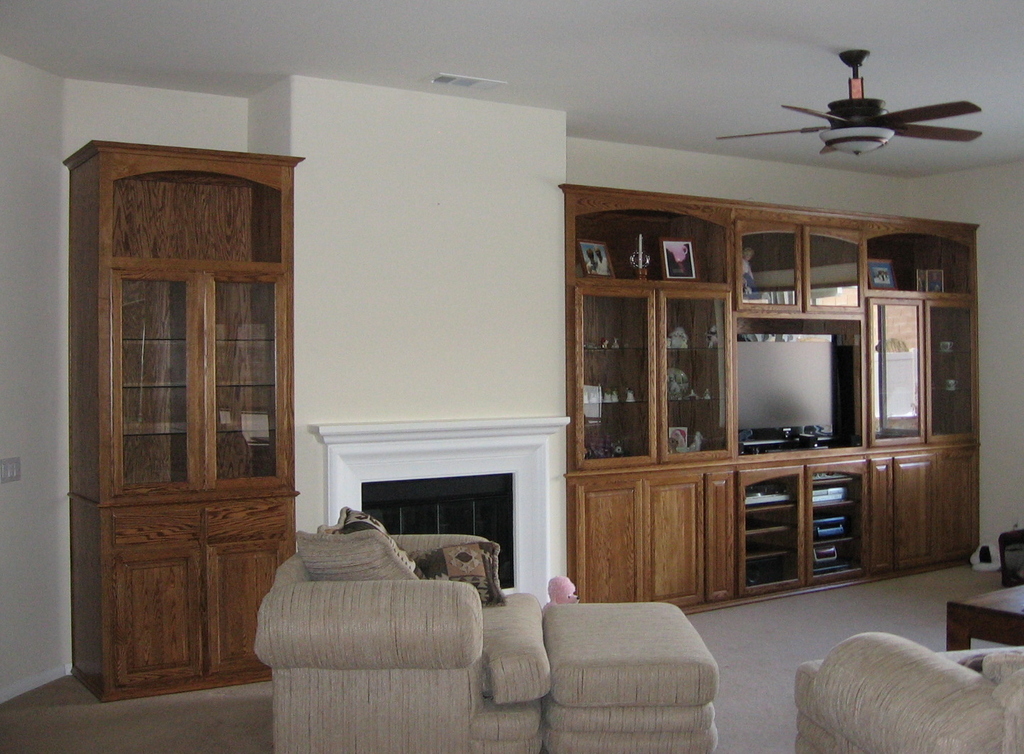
(479, 505)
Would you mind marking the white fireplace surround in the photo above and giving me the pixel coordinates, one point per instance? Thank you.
(358, 453)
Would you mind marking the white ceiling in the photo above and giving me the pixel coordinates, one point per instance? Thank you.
(666, 73)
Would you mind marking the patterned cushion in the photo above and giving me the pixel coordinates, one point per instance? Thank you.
(475, 563)
(360, 555)
(352, 520)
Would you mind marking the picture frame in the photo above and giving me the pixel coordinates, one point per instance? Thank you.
(678, 438)
(594, 259)
(677, 261)
(880, 275)
(930, 281)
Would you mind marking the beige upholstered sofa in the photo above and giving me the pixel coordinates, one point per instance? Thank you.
(877, 693)
(401, 666)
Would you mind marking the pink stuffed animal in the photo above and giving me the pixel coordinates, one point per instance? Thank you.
(561, 591)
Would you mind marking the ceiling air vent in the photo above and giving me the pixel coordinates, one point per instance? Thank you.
(466, 82)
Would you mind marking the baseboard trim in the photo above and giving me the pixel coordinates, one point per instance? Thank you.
(33, 682)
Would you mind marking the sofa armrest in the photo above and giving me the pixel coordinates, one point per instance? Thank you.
(348, 625)
(517, 668)
(886, 693)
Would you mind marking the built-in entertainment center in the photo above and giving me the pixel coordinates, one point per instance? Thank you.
(764, 399)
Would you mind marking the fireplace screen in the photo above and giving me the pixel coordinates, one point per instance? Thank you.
(479, 505)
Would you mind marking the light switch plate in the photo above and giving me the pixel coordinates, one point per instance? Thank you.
(10, 470)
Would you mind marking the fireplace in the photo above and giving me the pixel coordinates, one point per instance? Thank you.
(359, 454)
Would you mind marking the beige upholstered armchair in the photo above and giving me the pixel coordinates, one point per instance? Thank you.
(401, 665)
(877, 693)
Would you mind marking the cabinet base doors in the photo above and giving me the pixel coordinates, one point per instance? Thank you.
(157, 636)
(606, 526)
(675, 552)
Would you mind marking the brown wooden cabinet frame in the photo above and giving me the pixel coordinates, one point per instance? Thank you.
(173, 541)
(916, 498)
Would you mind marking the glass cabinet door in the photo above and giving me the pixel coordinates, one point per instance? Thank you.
(616, 410)
(695, 368)
(952, 378)
(246, 384)
(771, 527)
(837, 516)
(896, 410)
(768, 267)
(833, 269)
(154, 390)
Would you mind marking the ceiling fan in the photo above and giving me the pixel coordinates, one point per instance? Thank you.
(859, 124)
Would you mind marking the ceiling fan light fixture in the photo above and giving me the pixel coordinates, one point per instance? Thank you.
(856, 139)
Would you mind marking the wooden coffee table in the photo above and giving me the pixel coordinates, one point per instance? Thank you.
(996, 616)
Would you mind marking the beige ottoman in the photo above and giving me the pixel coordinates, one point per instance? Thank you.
(632, 677)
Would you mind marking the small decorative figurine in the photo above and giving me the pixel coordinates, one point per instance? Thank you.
(561, 591)
(749, 287)
(698, 441)
(678, 384)
(630, 396)
(678, 338)
(712, 336)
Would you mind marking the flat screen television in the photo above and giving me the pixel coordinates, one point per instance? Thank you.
(795, 390)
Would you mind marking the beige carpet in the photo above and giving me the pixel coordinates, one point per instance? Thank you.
(757, 646)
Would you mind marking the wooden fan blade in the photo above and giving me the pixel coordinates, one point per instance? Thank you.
(808, 130)
(815, 113)
(915, 131)
(928, 112)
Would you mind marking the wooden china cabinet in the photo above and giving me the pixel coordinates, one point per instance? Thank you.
(182, 437)
(690, 477)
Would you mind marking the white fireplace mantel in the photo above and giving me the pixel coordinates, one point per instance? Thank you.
(358, 453)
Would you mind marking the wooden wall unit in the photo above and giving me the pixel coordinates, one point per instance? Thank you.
(665, 500)
(182, 431)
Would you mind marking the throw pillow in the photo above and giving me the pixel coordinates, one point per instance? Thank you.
(352, 520)
(361, 555)
(475, 563)
(998, 666)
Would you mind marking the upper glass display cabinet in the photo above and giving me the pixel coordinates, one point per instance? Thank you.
(833, 268)
(768, 264)
(615, 398)
(696, 384)
(951, 349)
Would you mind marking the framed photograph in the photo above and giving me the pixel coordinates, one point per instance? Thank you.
(594, 259)
(930, 281)
(880, 275)
(677, 259)
(677, 437)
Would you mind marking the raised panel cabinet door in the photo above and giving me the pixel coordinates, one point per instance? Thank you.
(720, 535)
(674, 523)
(913, 509)
(606, 525)
(880, 522)
(157, 615)
(957, 505)
(239, 575)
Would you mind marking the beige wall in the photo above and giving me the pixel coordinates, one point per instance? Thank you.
(428, 279)
(33, 425)
(598, 163)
